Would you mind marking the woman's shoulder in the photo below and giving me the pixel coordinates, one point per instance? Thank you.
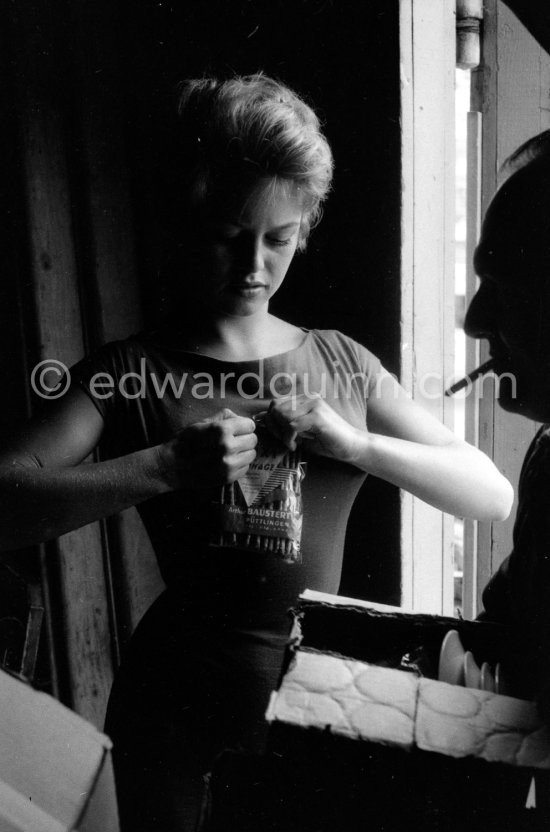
(344, 345)
(114, 358)
(343, 356)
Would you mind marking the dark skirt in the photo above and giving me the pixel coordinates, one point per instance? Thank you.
(194, 682)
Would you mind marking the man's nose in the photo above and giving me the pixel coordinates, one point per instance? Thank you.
(481, 314)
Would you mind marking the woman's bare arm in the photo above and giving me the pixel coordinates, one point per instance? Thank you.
(47, 486)
(404, 445)
(412, 449)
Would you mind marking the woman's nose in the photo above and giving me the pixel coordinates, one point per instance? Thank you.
(252, 256)
(481, 314)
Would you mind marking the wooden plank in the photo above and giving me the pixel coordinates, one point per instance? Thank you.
(407, 272)
(14, 370)
(137, 580)
(445, 279)
(427, 54)
(473, 221)
(87, 623)
(113, 302)
(42, 110)
(483, 95)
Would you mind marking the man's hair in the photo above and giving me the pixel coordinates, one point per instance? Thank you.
(535, 150)
(523, 205)
(248, 129)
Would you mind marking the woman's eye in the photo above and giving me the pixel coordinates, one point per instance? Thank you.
(275, 241)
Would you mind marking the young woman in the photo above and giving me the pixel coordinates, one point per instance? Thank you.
(205, 658)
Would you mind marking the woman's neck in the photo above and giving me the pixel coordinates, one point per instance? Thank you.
(239, 338)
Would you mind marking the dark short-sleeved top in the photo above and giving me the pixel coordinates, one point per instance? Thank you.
(154, 388)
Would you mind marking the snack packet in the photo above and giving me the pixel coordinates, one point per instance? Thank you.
(262, 511)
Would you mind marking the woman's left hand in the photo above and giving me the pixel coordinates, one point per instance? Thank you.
(310, 419)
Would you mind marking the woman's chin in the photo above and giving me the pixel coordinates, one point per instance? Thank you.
(243, 307)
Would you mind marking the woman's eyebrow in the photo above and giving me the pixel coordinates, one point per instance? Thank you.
(286, 226)
(233, 220)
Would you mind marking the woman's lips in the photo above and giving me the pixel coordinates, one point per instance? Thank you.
(247, 289)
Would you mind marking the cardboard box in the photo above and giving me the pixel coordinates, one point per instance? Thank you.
(55, 768)
(346, 675)
(349, 713)
(374, 704)
(358, 740)
(376, 633)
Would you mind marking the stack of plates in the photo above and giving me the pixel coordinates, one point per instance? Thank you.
(458, 667)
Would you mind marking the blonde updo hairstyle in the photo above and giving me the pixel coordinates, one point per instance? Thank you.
(248, 129)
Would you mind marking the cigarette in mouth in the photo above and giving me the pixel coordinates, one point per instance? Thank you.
(470, 378)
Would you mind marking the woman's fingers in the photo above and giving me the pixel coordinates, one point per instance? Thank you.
(215, 450)
(311, 419)
(242, 426)
(236, 466)
(231, 422)
(293, 416)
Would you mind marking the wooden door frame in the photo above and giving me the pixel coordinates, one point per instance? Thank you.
(427, 35)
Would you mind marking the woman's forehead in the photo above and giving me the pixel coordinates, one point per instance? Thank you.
(275, 201)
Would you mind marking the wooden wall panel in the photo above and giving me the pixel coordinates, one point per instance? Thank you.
(84, 291)
(107, 228)
(77, 558)
(111, 284)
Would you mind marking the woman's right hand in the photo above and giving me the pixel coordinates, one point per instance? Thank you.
(209, 453)
(45, 491)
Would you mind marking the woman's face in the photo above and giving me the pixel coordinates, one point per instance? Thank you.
(247, 241)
